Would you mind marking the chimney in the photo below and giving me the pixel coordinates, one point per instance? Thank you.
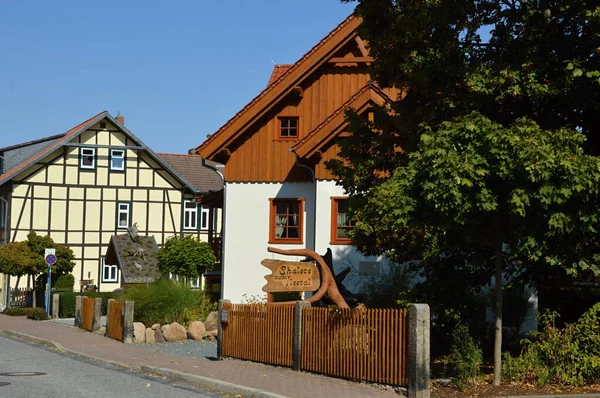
(120, 119)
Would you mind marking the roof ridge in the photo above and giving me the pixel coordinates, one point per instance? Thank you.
(178, 154)
(270, 87)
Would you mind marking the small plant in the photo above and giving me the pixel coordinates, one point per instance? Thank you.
(465, 356)
(65, 282)
(253, 299)
(16, 311)
(37, 314)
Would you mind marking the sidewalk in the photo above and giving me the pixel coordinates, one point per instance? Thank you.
(227, 375)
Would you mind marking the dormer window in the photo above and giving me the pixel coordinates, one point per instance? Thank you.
(288, 128)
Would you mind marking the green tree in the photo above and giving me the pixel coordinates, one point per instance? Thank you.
(185, 256)
(16, 259)
(468, 166)
(64, 256)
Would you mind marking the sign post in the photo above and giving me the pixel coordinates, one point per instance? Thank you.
(50, 257)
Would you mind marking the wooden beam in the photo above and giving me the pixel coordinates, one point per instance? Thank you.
(361, 46)
(352, 60)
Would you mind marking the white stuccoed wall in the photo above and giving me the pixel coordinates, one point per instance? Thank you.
(247, 234)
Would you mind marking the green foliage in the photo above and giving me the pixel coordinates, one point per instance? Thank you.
(67, 301)
(167, 301)
(16, 259)
(65, 282)
(465, 357)
(389, 290)
(567, 356)
(37, 314)
(185, 256)
(16, 311)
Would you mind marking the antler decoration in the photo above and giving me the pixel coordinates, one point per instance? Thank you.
(328, 284)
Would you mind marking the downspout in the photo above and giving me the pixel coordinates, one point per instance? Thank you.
(312, 172)
(223, 215)
(4, 298)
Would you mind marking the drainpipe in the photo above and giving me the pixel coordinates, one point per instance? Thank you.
(312, 172)
(4, 214)
(223, 216)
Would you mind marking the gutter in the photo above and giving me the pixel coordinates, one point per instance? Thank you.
(312, 172)
(223, 218)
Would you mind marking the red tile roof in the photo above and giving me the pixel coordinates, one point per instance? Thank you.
(278, 71)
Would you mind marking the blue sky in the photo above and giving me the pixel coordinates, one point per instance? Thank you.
(176, 70)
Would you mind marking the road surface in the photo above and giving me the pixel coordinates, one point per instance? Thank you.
(30, 370)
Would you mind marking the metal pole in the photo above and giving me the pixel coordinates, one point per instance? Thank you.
(48, 289)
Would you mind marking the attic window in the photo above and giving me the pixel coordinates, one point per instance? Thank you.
(87, 158)
(288, 128)
(102, 125)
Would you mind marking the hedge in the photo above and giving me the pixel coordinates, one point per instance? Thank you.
(67, 301)
(18, 311)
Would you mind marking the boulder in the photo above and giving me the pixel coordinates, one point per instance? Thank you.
(158, 336)
(175, 332)
(150, 336)
(211, 335)
(139, 332)
(164, 327)
(155, 326)
(196, 330)
(212, 321)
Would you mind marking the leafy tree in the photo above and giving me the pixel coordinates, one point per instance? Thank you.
(64, 256)
(16, 259)
(185, 256)
(481, 161)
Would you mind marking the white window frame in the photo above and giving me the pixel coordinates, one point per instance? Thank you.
(193, 215)
(122, 157)
(195, 283)
(204, 222)
(112, 268)
(119, 212)
(83, 156)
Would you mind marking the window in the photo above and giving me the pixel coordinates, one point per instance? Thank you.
(286, 220)
(117, 159)
(109, 272)
(195, 283)
(288, 127)
(204, 215)
(88, 158)
(123, 214)
(190, 214)
(341, 224)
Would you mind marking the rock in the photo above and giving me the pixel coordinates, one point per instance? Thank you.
(139, 332)
(196, 330)
(212, 338)
(212, 321)
(155, 326)
(158, 336)
(164, 327)
(211, 334)
(150, 339)
(175, 332)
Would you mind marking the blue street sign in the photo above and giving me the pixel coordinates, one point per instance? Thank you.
(51, 259)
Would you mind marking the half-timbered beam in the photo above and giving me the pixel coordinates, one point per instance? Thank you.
(361, 46)
(132, 147)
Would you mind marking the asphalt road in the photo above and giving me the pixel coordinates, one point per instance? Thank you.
(29, 370)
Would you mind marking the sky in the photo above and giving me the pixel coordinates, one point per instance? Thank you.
(176, 70)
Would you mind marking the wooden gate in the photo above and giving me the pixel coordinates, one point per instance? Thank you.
(114, 323)
(259, 332)
(18, 297)
(87, 313)
(368, 344)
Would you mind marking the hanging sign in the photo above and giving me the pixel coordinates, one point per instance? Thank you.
(288, 276)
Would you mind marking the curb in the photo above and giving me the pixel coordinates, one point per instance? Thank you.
(176, 375)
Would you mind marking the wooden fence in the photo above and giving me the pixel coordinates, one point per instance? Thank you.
(366, 344)
(257, 332)
(369, 344)
(18, 297)
(114, 322)
(87, 313)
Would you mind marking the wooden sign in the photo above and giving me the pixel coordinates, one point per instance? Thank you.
(288, 276)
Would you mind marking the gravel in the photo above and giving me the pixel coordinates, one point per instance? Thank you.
(201, 349)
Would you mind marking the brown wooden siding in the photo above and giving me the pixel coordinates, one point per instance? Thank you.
(260, 157)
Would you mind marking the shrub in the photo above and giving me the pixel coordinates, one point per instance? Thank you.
(67, 301)
(167, 301)
(567, 356)
(37, 314)
(16, 311)
(65, 282)
(465, 356)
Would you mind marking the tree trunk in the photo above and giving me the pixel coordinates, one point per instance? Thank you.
(498, 312)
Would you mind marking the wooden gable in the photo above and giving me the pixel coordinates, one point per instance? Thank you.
(311, 91)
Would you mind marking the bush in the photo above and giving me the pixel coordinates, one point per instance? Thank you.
(16, 311)
(65, 282)
(167, 301)
(37, 314)
(465, 356)
(67, 301)
(567, 356)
